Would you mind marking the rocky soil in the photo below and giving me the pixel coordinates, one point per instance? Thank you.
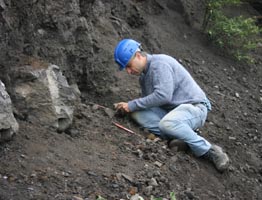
(94, 157)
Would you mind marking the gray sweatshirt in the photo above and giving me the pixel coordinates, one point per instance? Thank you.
(166, 83)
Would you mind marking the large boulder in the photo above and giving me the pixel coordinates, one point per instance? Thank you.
(8, 123)
(42, 95)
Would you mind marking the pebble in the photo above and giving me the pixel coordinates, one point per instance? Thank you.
(95, 107)
(115, 185)
(190, 194)
(164, 180)
(136, 197)
(30, 189)
(153, 182)
(73, 132)
(22, 156)
(157, 173)
(238, 143)
(130, 179)
(148, 190)
(77, 198)
(91, 173)
(139, 153)
(110, 113)
(41, 31)
(158, 164)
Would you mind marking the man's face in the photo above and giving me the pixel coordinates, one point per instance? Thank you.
(135, 65)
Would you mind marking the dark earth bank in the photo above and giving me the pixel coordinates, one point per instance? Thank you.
(94, 157)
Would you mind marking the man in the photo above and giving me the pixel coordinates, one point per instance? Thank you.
(172, 105)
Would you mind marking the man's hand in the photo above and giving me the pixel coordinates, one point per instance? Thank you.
(122, 106)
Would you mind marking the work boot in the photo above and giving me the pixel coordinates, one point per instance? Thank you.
(218, 158)
(178, 145)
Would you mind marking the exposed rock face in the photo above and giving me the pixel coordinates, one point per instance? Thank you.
(42, 95)
(63, 33)
(8, 124)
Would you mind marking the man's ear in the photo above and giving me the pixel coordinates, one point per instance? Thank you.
(138, 54)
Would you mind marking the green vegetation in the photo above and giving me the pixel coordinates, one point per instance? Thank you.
(238, 36)
(100, 198)
(172, 197)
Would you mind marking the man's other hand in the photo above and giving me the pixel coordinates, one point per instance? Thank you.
(122, 106)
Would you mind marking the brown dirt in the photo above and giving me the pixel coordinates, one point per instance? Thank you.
(96, 158)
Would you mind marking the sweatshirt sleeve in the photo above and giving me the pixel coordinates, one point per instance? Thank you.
(163, 88)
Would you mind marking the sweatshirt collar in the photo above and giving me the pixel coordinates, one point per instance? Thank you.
(148, 58)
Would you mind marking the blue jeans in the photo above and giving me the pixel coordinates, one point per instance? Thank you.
(179, 123)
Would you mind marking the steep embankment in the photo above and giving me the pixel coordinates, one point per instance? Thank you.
(96, 158)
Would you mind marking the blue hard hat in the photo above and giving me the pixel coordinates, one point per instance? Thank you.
(124, 51)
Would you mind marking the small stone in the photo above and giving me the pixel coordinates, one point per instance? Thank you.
(22, 156)
(118, 176)
(95, 107)
(91, 173)
(115, 185)
(148, 190)
(77, 198)
(110, 113)
(157, 139)
(238, 143)
(130, 179)
(157, 163)
(65, 174)
(136, 197)
(41, 31)
(153, 182)
(190, 194)
(139, 153)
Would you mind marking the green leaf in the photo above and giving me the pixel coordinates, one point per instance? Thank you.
(172, 196)
(100, 198)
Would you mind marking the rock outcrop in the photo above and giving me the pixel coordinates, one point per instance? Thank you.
(8, 124)
(42, 95)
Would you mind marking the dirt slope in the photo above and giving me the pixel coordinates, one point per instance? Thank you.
(96, 158)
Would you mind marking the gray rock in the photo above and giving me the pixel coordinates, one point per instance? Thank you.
(153, 182)
(42, 95)
(2, 4)
(148, 190)
(8, 123)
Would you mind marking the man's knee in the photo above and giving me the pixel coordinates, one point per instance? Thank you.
(167, 126)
